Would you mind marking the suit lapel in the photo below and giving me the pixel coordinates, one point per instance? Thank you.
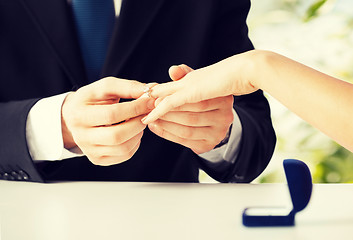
(134, 20)
(54, 21)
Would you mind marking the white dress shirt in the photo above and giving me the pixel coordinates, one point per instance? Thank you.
(45, 141)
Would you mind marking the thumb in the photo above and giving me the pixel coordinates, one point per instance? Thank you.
(178, 72)
(111, 88)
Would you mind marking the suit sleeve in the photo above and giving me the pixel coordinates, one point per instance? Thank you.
(15, 160)
(229, 37)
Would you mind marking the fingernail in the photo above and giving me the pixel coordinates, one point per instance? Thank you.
(150, 104)
(144, 119)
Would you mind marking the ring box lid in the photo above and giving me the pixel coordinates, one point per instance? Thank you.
(299, 183)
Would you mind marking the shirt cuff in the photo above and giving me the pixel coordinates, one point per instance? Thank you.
(43, 130)
(229, 151)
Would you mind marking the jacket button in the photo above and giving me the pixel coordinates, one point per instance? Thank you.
(7, 176)
(23, 175)
(16, 175)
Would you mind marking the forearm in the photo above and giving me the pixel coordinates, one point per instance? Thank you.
(321, 100)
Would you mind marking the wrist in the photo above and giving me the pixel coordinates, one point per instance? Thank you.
(243, 74)
(261, 65)
(68, 139)
(252, 64)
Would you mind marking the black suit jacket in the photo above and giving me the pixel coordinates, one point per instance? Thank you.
(40, 57)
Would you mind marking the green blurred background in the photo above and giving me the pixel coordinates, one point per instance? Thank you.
(319, 34)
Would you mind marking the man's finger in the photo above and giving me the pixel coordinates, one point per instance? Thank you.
(112, 160)
(116, 150)
(197, 146)
(100, 115)
(200, 119)
(205, 105)
(110, 88)
(182, 131)
(113, 135)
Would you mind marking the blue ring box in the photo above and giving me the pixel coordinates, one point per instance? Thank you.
(300, 187)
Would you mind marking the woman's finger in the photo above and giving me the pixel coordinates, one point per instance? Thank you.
(167, 104)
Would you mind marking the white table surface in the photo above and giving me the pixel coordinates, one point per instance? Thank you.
(118, 210)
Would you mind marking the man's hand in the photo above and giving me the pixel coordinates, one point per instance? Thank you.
(198, 126)
(106, 131)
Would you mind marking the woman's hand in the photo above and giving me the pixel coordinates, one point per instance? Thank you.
(231, 76)
(199, 126)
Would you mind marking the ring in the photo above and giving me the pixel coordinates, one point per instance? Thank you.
(148, 91)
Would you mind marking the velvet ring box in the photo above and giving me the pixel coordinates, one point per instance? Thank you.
(300, 187)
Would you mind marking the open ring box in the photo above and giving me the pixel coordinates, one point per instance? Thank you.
(300, 188)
